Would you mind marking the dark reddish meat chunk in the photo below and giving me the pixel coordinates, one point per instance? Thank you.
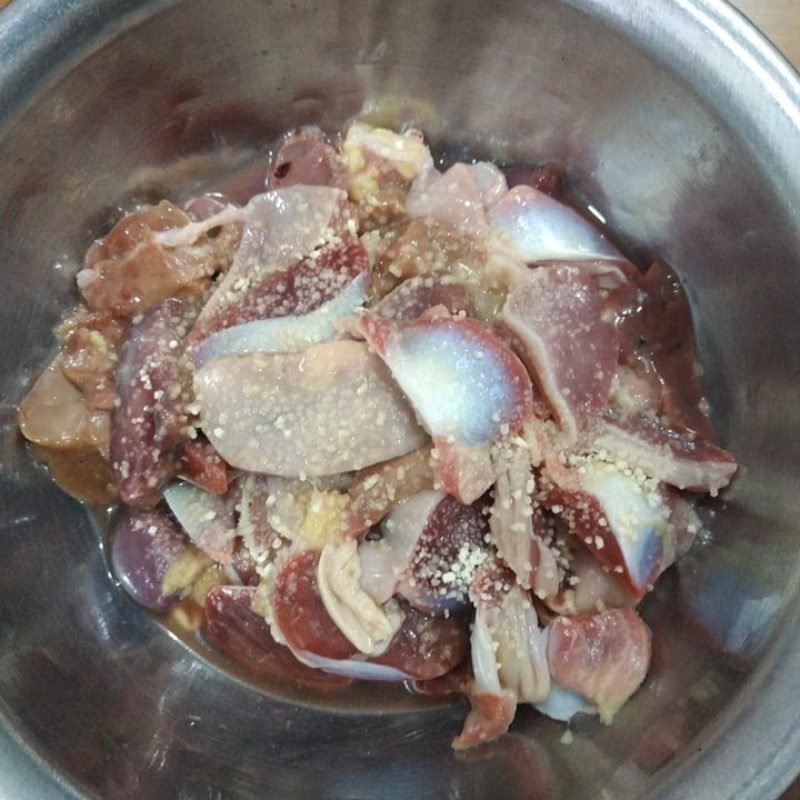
(547, 178)
(201, 465)
(143, 548)
(89, 343)
(300, 613)
(150, 424)
(427, 647)
(129, 270)
(376, 490)
(657, 343)
(244, 635)
(451, 529)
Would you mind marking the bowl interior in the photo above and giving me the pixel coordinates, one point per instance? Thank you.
(159, 102)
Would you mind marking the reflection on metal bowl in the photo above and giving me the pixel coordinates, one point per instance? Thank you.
(676, 121)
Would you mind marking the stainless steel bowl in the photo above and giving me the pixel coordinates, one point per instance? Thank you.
(676, 121)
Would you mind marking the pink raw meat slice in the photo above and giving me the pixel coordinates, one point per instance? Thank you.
(603, 657)
(412, 298)
(680, 458)
(294, 291)
(430, 547)
(333, 408)
(305, 157)
(556, 316)
(467, 387)
(282, 228)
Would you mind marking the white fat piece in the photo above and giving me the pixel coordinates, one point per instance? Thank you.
(405, 152)
(484, 663)
(511, 519)
(366, 625)
(187, 235)
(355, 668)
(509, 651)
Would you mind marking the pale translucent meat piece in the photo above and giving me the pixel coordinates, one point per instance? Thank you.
(367, 625)
(331, 409)
(384, 562)
(633, 525)
(509, 650)
(538, 228)
(459, 197)
(282, 227)
(287, 294)
(520, 646)
(453, 198)
(207, 518)
(603, 657)
(556, 316)
(466, 385)
(512, 517)
(463, 380)
(290, 333)
(509, 656)
(491, 182)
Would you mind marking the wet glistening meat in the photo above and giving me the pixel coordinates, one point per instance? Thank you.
(388, 419)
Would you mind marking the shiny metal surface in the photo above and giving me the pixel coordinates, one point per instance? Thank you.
(675, 120)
